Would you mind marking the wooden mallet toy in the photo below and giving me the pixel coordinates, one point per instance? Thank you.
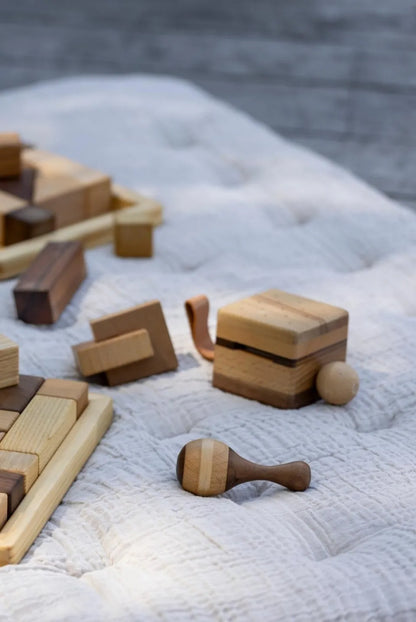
(208, 467)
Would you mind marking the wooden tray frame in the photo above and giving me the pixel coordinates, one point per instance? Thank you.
(20, 531)
(91, 232)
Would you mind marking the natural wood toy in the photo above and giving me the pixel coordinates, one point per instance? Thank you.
(10, 148)
(337, 383)
(47, 286)
(45, 197)
(270, 347)
(9, 362)
(128, 345)
(48, 429)
(133, 230)
(197, 309)
(208, 467)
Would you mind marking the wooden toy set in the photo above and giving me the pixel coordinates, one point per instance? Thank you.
(274, 347)
(45, 197)
(48, 429)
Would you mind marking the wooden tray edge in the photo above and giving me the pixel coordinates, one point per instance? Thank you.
(20, 531)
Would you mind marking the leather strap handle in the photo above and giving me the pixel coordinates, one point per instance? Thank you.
(197, 309)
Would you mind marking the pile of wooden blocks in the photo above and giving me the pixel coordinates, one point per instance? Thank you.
(41, 192)
(128, 345)
(35, 416)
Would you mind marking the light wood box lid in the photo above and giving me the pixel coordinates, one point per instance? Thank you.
(282, 324)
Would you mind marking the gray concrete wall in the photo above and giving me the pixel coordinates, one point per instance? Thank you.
(336, 75)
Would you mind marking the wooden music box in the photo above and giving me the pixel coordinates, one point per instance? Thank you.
(271, 346)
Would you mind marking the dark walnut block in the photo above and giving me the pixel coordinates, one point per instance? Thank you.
(49, 283)
(270, 347)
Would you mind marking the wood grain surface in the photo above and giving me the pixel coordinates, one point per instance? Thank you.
(24, 464)
(27, 223)
(50, 282)
(16, 398)
(9, 362)
(12, 484)
(149, 316)
(66, 389)
(48, 490)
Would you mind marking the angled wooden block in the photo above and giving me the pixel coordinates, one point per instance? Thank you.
(66, 389)
(26, 465)
(149, 316)
(10, 148)
(12, 484)
(270, 347)
(16, 398)
(3, 508)
(41, 427)
(93, 358)
(22, 186)
(49, 283)
(7, 419)
(9, 362)
(133, 233)
(63, 196)
(26, 223)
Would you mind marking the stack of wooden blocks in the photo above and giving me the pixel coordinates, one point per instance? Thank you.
(41, 192)
(35, 417)
(128, 345)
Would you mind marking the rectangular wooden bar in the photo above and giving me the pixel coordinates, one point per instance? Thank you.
(67, 389)
(45, 289)
(16, 398)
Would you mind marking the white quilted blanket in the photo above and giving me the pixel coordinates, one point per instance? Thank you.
(245, 211)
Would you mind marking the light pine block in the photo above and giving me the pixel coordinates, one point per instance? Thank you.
(93, 358)
(48, 490)
(9, 362)
(10, 148)
(66, 389)
(7, 419)
(3, 508)
(41, 427)
(63, 196)
(133, 233)
(23, 464)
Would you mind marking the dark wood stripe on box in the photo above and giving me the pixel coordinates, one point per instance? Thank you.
(13, 485)
(16, 398)
(263, 394)
(280, 360)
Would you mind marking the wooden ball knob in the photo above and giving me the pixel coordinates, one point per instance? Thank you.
(208, 467)
(337, 383)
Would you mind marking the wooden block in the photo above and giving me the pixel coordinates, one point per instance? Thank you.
(149, 316)
(63, 196)
(125, 199)
(97, 187)
(26, 465)
(22, 186)
(26, 223)
(93, 358)
(9, 362)
(41, 427)
(8, 203)
(48, 490)
(270, 347)
(133, 233)
(12, 484)
(66, 389)
(3, 508)
(17, 398)
(7, 419)
(49, 164)
(10, 148)
(48, 285)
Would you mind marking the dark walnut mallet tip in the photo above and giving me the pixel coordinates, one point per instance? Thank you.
(209, 467)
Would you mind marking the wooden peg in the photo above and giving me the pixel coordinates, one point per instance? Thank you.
(208, 467)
